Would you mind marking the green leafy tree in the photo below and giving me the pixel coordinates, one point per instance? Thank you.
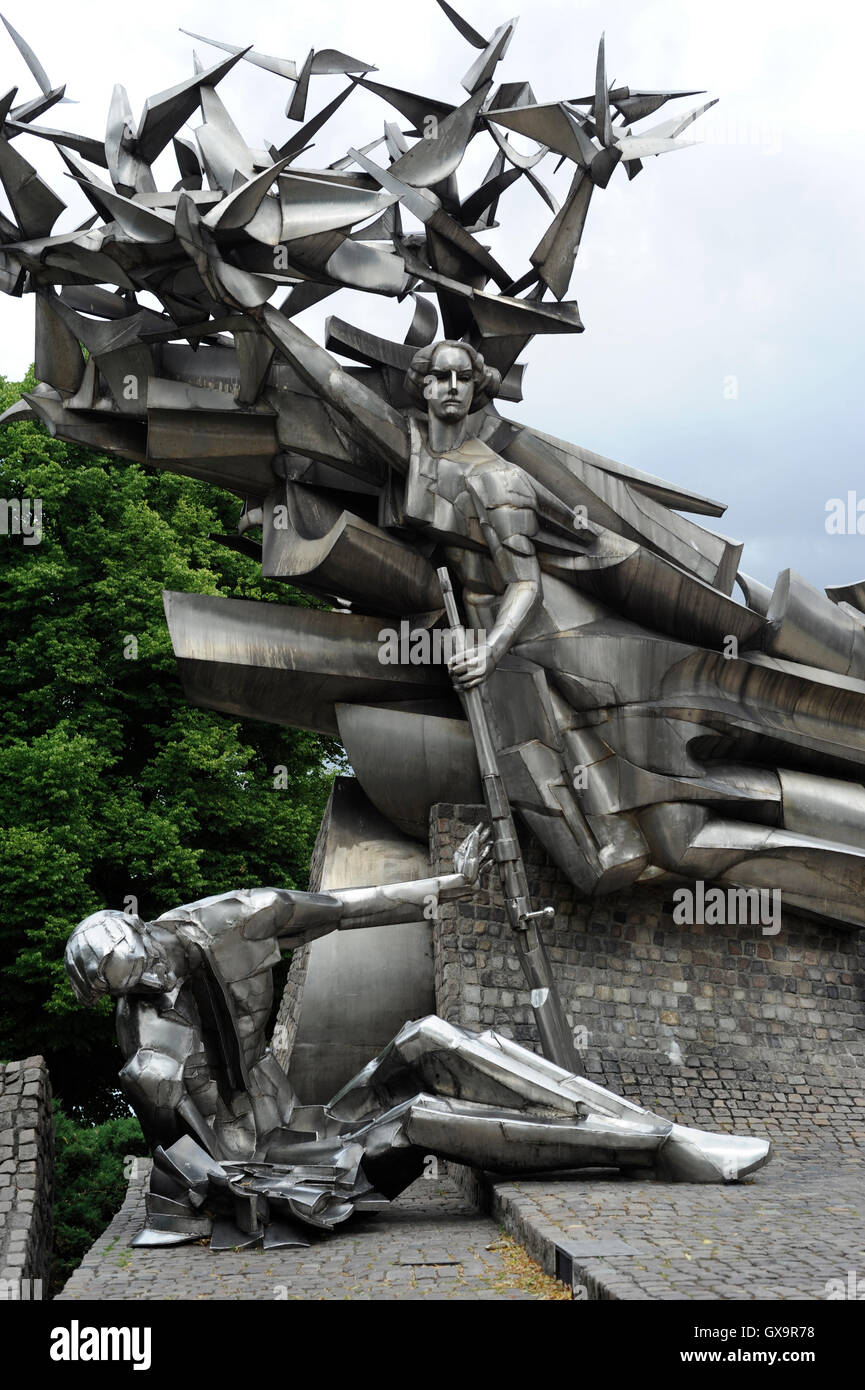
(111, 786)
(90, 1183)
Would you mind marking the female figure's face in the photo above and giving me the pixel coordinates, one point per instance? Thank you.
(449, 384)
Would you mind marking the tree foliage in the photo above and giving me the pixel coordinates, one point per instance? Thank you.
(90, 1184)
(111, 786)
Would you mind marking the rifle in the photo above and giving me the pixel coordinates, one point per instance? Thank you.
(556, 1040)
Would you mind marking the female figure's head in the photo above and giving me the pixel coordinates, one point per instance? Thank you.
(450, 377)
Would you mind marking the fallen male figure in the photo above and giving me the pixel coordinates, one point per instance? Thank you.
(237, 1158)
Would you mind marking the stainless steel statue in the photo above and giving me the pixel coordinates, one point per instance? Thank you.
(238, 1159)
(607, 688)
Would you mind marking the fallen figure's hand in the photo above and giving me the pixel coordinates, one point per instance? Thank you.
(475, 855)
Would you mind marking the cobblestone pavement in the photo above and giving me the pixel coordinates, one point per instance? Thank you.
(783, 1234)
(431, 1244)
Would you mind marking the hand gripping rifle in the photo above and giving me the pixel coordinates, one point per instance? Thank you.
(552, 1025)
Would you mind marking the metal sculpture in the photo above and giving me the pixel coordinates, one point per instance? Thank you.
(646, 726)
(236, 1158)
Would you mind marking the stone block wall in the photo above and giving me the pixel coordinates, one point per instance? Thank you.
(715, 1026)
(26, 1171)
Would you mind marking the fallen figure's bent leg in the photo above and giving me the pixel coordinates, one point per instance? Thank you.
(474, 1098)
(480, 1098)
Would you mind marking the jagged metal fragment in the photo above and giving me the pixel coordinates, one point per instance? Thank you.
(422, 329)
(417, 109)
(556, 252)
(164, 114)
(483, 67)
(298, 142)
(282, 67)
(849, 593)
(91, 149)
(462, 25)
(432, 159)
(34, 205)
(30, 59)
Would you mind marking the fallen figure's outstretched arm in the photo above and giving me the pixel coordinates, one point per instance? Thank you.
(410, 901)
(294, 918)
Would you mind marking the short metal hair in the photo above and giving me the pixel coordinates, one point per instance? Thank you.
(486, 379)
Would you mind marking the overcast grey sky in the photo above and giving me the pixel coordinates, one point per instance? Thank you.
(722, 290)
